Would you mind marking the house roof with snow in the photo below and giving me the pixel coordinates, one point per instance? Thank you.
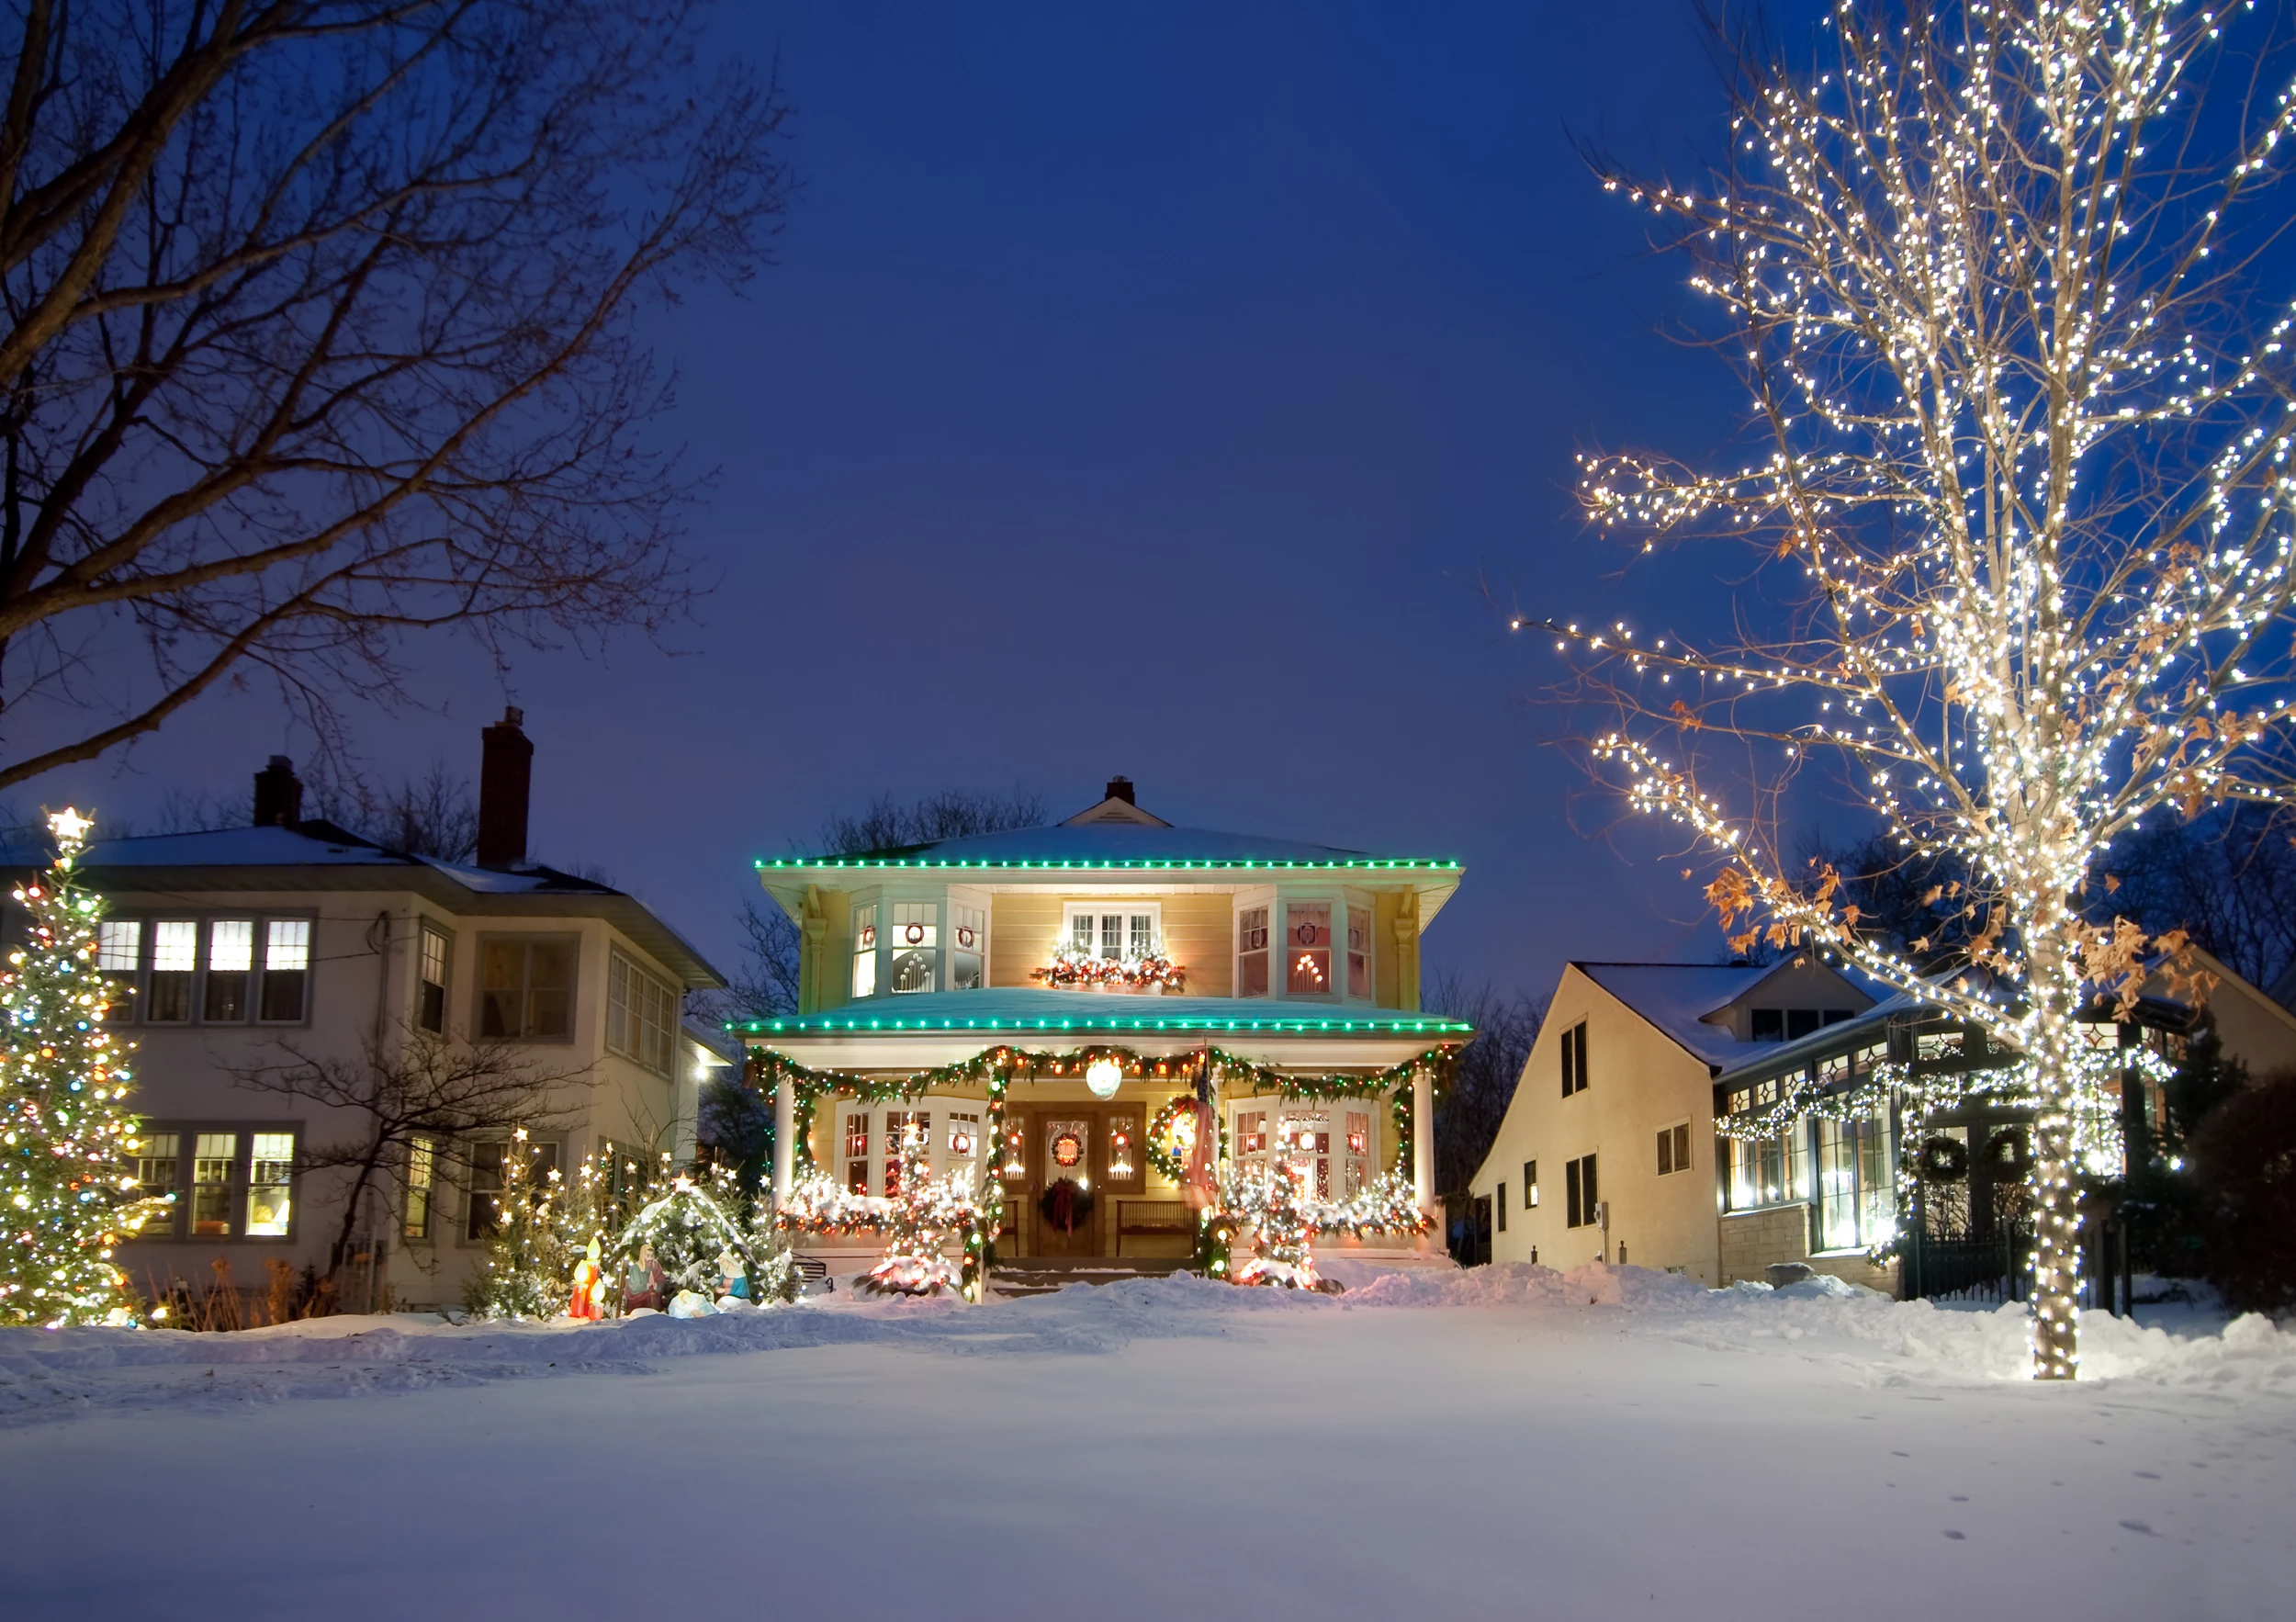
(1681, 999)
(1115, 841)
(319, 855)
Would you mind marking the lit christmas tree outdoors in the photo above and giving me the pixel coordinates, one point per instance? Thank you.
(2024, 468)
(68, 1188)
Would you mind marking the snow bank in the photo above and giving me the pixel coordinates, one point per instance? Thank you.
(1866, 1338)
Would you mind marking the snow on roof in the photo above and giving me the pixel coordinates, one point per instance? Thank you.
(1023, 1009)
(1098, 844)
(1676, 997)
(316, 844)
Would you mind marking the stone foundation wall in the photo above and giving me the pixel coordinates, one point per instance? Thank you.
(1753, 1240)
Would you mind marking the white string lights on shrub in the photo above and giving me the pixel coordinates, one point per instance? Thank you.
(2034, 490)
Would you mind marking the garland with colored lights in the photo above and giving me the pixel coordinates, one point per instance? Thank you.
(1075, 966)
(69, 1192)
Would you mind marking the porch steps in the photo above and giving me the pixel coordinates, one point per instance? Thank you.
(1033, 1276)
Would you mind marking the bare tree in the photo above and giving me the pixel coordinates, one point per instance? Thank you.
(766, 983)
(2023, 464)
(952, 813)
(1482, 1082)
(320, 330)
(417, 1089)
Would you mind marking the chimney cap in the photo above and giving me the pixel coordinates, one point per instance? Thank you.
(512, 717)
(1120, 788)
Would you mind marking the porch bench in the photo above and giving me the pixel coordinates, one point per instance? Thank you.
(1156, 1219)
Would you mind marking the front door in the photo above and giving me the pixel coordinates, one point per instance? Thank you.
(1067, 1186)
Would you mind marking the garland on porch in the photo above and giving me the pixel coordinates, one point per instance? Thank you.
(992, 1069)
(2095, 1120)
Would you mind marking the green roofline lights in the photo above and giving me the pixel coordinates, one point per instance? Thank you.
(1137, 862)
(829, 1023)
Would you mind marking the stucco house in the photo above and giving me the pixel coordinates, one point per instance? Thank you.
(956, 988)
(292, 939)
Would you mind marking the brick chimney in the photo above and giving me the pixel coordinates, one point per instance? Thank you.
(506, 770)
(1120, 788)
(278, 795)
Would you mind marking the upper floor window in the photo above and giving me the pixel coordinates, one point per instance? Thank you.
(968, 947)
(1132, 930)
(1574, 1059)
(1307, 949)
(1790, 1024)
(915, 940)
(224, 970)
(1250, 951)
(641, 1014)
(1359, 951)
(430, 979)
(526, 989)
(864, 983)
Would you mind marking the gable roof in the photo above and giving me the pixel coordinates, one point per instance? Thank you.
(316, 855)
(1677, 997)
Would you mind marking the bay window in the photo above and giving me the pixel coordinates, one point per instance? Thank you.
(1251, 955)
(526, 989)
(864, 981)
(915, 940)
(968, 947)
(1307, 948)
(641, 1014)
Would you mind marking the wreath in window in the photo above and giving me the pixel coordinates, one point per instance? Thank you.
(2008, 1153)
(1167, 1149)
(1065, 1205)
(1943, 1160)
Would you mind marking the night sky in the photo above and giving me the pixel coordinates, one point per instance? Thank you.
(1146, 391)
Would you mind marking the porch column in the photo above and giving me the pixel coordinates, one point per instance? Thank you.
(785, 1138)
(1423, 1139)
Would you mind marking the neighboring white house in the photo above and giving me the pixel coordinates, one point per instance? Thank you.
(245, 946)
(1610, 1148)
(1607, 1150)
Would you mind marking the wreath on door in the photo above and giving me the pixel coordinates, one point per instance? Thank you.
(1065, 1205)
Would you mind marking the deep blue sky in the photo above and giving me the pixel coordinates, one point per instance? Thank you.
(1145, 390)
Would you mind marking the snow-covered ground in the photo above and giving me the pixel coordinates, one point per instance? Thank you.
(1506, 1442)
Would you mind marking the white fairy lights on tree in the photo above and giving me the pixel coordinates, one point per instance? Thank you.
(2033, 483)
(68, 1188)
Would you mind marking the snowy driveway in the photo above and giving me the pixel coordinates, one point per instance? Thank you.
(1489, 1444)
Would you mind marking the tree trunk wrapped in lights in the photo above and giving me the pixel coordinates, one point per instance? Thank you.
(2026, 465)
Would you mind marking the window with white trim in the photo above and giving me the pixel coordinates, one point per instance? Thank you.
(1129, 929)
(641, 1014)
(1673, 1149)
(915, 938)
(1307, 949)
(1359, 932)
(422, 1179)
(430, 983)
(1250, 951)
(864, 981)
(968, 947)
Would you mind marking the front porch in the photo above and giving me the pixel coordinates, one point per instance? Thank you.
(1072, 1156)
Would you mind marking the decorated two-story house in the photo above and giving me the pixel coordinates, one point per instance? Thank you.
(1034, 1004)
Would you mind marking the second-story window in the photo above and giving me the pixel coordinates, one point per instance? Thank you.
(1307, 949)
(968, 947)
(230, 964)
(526, 990)
(865, 951)
(119, 945)
(1359, 951)
(1250, 951)
(915, 940)
(430, 982)
(641, 1014)
(1574, 1059)
(287, 963)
